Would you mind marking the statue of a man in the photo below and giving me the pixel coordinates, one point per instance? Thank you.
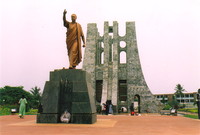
(73, 40)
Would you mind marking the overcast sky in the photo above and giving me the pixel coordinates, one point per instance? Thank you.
(32, 38)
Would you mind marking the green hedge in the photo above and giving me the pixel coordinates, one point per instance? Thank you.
(6, 110)
(193, 110)
(167, 107)
(32, 112)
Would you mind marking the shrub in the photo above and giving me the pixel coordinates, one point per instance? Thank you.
(167, 107)
(4, 111)
(193, 110)
(32, 112)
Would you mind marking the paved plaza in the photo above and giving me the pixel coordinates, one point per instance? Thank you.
(105, 125)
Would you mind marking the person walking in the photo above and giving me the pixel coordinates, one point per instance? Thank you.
(22, 108)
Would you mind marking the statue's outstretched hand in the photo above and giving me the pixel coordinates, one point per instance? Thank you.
(65, 11)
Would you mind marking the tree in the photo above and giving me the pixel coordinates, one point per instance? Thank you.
(11, 95)
(163, 100)
(179, 90)
(36, 94)
(174, 103)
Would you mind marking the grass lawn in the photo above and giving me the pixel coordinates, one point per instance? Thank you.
(191, 116)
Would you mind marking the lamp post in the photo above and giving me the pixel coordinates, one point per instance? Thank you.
(198, 102)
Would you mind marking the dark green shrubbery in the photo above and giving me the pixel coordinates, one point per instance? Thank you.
(11, 95)
(4, 111)
(167, 107)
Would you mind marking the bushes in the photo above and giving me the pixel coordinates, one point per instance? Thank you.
(6, 110)
(167, 107)
(192, 110)
(32, 112)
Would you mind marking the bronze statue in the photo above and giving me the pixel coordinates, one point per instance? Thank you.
(73, 40)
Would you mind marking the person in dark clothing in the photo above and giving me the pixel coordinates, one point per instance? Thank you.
(132, 109)
(107, 108)
(104, 108)
(40, 108)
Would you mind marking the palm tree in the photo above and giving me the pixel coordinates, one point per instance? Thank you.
(36, 94)
(179, 90)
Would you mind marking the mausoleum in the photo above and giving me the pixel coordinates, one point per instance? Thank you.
(122, 83)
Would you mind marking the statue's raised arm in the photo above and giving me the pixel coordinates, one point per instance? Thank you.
(65, 22)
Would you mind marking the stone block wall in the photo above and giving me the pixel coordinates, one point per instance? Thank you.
(107, 48)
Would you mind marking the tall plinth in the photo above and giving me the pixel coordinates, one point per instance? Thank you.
(68, 90)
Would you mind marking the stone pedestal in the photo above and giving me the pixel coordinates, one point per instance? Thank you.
(68, 90)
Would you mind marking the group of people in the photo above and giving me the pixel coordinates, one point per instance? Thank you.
(107, 108)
